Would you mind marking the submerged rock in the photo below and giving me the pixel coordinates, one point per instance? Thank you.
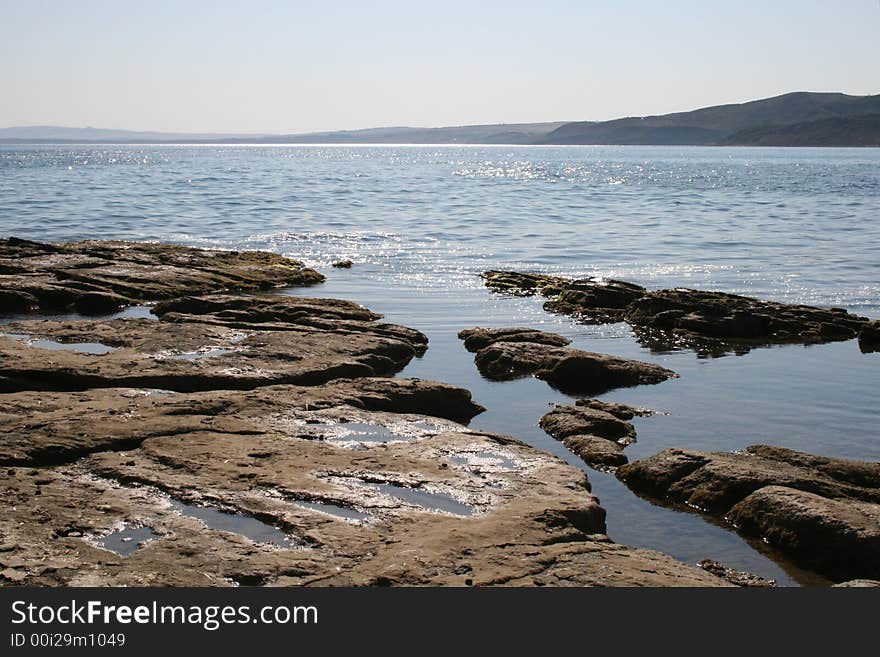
(102, 276)
(520, 284)
(343, 264)
(569, 370)
(823, 512)
(618, 410)
(735, 577)
(711, 323)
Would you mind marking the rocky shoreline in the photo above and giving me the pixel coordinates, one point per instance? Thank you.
(257, 440)
(243, 437)
(710, 323)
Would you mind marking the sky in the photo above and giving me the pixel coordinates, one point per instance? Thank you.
(272, 66)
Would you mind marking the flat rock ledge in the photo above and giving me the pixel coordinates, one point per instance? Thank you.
(356, 482)
(257, 440)
(711, 323)
(822, 512)
(506, 354)
(207, 343)
(99, 277)
(594, 430)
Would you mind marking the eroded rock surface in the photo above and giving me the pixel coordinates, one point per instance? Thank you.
(273, 486)
(735, 577)
(823, 512)
(595, 435)
(246, 440)
(97, 277)
(570, 370)
(711, 323)
(479, 338)
(206, 343)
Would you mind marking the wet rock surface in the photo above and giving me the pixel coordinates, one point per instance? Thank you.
(225, 488)
(98, 277)
(735, 577)
(247, 440)
(569, 370)
(822, 512)
(869, 337)
(594, 434)
(40, 428)
(221, 343)
(711, 323)
(479, 338)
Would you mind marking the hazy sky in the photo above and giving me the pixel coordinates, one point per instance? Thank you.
(288, 66)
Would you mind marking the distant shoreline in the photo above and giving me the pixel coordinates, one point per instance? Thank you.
(58, 142)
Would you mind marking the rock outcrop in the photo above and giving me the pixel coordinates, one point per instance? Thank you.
(479, 338)
(247, 440)
(869, 337)
(596, 434)
(205, 343)
(100, 277)
(711, 323)
(823, 512)
(340, 484)
(505, 354)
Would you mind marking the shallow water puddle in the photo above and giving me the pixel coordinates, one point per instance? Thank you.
(236, 523)
(344, 512)
(95, 348)
(366, 433)
(485, 458)
(424, 499)
(211, 352)
(127, 541)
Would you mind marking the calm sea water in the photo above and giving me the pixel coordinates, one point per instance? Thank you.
(796, 225)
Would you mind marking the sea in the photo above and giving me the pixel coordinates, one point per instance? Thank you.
(420, 223)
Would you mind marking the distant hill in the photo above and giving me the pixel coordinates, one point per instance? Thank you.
(501, 133)
(863, 130)
(796, 119)
(713, 125)
(62, 134)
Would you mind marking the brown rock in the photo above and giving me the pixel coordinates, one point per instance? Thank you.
(518, 283)
(570, 370)
(478, 338)
(99, 277)
(735, 577)
(823, 512)
(618, 410)
(840, 537)
(46, 428)
(595, 435)
(223, 342)
(711, 323)
(256, 488)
